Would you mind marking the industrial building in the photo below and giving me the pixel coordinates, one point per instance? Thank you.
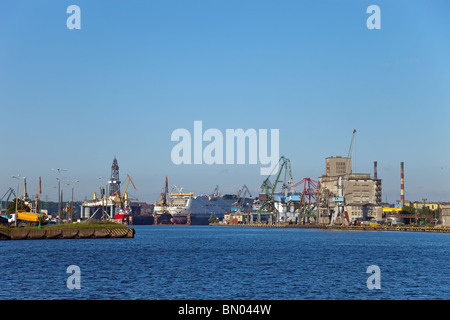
(445, 215)
(420, 204)
(357, 196)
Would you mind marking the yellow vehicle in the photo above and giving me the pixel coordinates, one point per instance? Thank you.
(27, 218)
(33, 218)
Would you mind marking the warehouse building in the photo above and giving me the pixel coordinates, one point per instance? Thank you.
(445, 218)
(361, 193)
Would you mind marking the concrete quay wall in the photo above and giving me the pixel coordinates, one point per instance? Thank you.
(345, 228)
(82, 233)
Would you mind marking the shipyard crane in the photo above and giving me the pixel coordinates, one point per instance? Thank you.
(308, 197)
(342, 186)
(7, 193)
(240, 203)
(38, 197)
(268, 203)
(241, 196)
(122, 200)
(310, 190)
(180, 190)
(124, 196)
(216, 192)
(163, 197)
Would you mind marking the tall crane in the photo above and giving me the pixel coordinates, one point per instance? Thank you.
(122, 200)
(163, 197)
(241, 194)
(268, 203)
(124, 194)
(310, 190)
(342, 187)
(7, 193)
(38, 197)
(180, 190)
(215, 194)
(348, 168)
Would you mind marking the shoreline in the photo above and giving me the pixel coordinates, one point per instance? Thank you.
(343, 228)
(65, 233)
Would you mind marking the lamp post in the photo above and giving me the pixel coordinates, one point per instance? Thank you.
(104, 204)
(71, 204)
(17, 196)
(438, 209)
(424, 199)
(58, 170)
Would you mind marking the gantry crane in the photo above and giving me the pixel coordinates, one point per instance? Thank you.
(122, 200)
(267, 197)
(310, 190)
(241, 196)
(163, 197)
(308, 198)
(215, 194)
(124, 196)
(7, 193)
(238, 206)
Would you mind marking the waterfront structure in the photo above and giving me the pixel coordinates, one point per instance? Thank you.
(392, 210)
(402, 183)
(114, 182)
(111, 203)
(445, 215)
(420, 204)
(358, 192)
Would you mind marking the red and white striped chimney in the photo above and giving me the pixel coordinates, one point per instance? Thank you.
(402, 183)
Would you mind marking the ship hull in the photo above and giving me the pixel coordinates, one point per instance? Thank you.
(187, 209)
(147, 219)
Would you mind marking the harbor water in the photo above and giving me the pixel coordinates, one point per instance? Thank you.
(206, 262)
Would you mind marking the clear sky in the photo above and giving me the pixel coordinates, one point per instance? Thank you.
(138, 70)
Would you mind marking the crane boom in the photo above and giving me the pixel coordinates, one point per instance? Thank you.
(131, 181)
(342, 184)
(242, 194)
(269, 187)
(124, 195)
(348, 167)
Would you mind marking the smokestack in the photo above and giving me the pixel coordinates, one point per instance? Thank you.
(375, 174)
(25, 194)
(402, 183)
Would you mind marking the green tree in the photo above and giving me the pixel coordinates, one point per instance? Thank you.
(11, 208)
(408, 210)
(213, 218)
(425, 211)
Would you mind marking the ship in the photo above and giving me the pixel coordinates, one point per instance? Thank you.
(187, 208)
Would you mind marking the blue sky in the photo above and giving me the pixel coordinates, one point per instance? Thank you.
(138, 70)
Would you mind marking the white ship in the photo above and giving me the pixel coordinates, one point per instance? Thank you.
(181, 204)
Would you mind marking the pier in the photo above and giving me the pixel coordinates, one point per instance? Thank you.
(337, 227)
(72, 233)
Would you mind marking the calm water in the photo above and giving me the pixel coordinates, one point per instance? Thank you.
(202, 262)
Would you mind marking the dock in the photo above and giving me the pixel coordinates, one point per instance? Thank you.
(76, 233)
(339, 227)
